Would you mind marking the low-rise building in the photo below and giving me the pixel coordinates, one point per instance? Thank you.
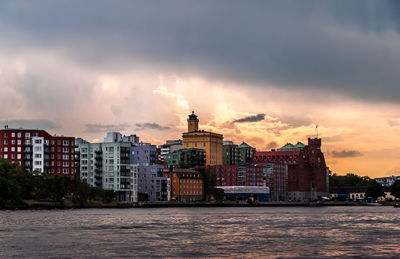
(227, 175)
(37, 150)
(258, 193)
(186, 184)
(153, 186)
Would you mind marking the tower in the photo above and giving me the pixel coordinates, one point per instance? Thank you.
(193, 123)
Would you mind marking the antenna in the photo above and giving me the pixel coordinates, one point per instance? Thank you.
(316, 129)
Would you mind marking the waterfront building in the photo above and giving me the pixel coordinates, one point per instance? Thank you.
(186, 184)
(37, 150)
(153, 186)
(209, 141)
(169, 147)
(108, 166)
(258, 193)
(308, 175)
(272, 175)
(245, 153)
(186, 158)
(387, 181)
(241, 175)
(230, 153)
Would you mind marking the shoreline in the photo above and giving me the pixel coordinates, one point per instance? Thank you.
(66, 206)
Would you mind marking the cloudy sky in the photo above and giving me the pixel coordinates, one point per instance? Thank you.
(264, 72)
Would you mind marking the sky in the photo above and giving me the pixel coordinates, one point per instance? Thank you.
(263, 72)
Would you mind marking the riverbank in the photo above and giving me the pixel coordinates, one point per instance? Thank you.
(44, 205)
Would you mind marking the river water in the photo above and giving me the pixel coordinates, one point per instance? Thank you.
(291, 232)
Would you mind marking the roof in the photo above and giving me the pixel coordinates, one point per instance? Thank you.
(290, 147)
(244, 145)
(244, 189)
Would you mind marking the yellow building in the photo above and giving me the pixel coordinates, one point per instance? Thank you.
(209, 141)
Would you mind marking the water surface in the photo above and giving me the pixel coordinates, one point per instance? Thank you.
(329, 232)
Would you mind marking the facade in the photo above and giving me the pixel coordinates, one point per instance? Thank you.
(230, 153)
(108, 166)
(152, 185)
(227, 175)
(308, 175)
(186, 184)
(144, 154)
(245, 153)
(242, 175)
(272, 175)
(209, 141)
(38, 150)
(186, 158)
(259, 193)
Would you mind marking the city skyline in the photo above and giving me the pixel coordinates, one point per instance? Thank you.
(248, 73)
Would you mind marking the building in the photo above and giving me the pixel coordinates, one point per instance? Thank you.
(242, 175)
(144, 154)
(118, 137)
(186, 158)
(227, 175)
(230, 153)
(169, 147)
(108, 166)
(387, 181)
(186, 184)
(152, 185)
(37, 150)
(272, 175)
(258, 193)
(245, 153)
(209, 141)
(308, 175)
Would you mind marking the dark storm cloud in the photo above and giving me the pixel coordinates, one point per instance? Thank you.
(345, 153)
(347, 47)
(155, 126)
(30, 124)
(93, 128)
(255, 118)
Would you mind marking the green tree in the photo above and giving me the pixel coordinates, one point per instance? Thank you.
(374, 190)
(395, 189)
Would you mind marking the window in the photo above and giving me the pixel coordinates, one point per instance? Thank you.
(38, 162)
(12, 149)
(65, 164)
(27, 135)
(5, 142)
(38, 141)
(65, 157)
(19, 156)
(13, 134)
(19, 142)
(5, 135)
(65, 142)
(35, 134)
(38, 155)
(27, 142)
(19, 134)
(5, 156)
(19, 149)
(5, 149)
(65, 170)
(13, 142)
(65, 150)
(38, 148)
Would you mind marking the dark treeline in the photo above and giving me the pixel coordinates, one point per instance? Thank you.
(348, 180)
(17, 185)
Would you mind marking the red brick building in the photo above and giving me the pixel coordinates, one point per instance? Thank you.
(38, 150)
(227, 175)
(272, 175)
(307, 171)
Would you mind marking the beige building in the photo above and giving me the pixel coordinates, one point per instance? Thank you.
(209, 141)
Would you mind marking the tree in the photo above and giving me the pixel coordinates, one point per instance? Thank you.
(374, 190)
(395, 189)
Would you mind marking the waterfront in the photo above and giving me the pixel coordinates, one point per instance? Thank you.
(298, 232)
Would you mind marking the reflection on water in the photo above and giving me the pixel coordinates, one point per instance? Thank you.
(202, 232)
